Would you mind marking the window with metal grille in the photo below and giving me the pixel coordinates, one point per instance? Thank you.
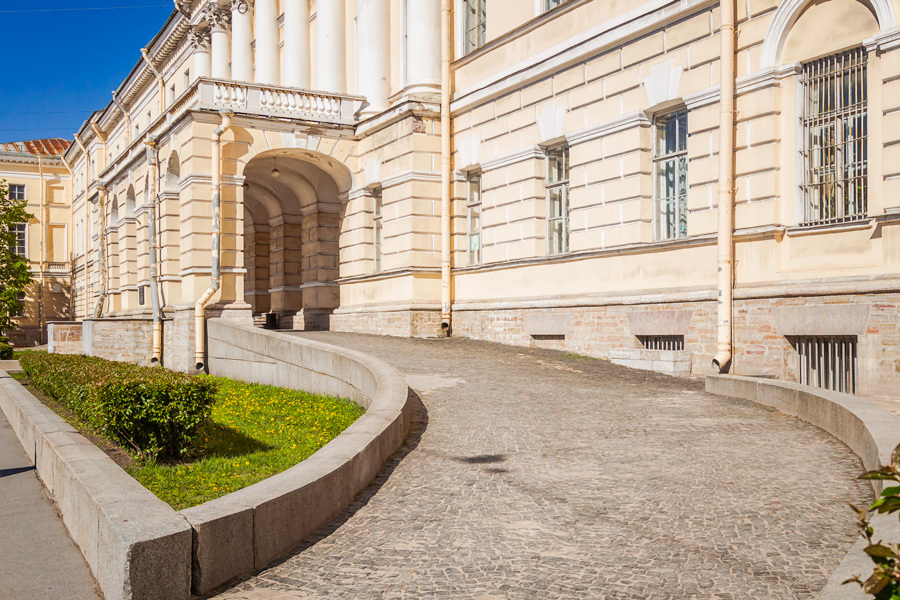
(473, 205)
(558, 200)
(662, 342)
(21, 244)
(828, 362)
(835, 134)
(475, 24)
(378, 232)
(670, 165)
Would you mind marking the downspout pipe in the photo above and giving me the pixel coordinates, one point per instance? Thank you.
(725, 238)
(70, 257)
(446, 316)
(42, 222)
(87, 217)
(156, 356)
(159, 79)
(127, 118)
(215, 275)
(98, 308)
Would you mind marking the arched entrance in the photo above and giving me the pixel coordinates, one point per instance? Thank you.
(292, 204)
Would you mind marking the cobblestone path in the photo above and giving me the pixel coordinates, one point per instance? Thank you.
(532, 474)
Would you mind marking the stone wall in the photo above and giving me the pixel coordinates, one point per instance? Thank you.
(64, 338)
(127, 340)
(401, 323)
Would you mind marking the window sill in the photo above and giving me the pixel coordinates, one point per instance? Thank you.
(859, 225)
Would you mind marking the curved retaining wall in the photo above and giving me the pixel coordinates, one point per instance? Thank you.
(139, 548)
(245, 530)
(871, 432)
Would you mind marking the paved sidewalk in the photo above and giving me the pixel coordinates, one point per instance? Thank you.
(530, 474)
(38, 560)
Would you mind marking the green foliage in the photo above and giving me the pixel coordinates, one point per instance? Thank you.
(154, 412)
(254, 432)
(884, 582)
(6, 351)
(14, 270)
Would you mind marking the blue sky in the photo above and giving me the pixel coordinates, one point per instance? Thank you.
(60, 65)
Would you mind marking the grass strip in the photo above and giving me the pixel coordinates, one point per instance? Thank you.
(254, 432)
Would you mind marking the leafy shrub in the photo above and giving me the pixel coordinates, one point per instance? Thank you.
(884, 582)
(6, 351)
(154, 411)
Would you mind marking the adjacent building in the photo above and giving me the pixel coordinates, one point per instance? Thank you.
(34, 172)
(672, 184)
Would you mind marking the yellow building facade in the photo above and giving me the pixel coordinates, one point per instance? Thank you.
(34, 172)
(290, 158)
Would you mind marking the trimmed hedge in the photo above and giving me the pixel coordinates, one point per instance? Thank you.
(154, 411)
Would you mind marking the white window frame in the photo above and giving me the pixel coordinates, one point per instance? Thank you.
(542, 6)
(20, 229)
(562, 185)
(827, 172)
(674, 158)
(462, 48)
(474, 219)
(378, 230)
(17, 186)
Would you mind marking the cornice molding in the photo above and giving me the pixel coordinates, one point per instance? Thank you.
(634, 119)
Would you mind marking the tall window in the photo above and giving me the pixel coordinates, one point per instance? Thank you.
(670, 175)
(475, 24)
(473, 204)
(558, 200)
(21, 245)
(378, 233)
(835, 132)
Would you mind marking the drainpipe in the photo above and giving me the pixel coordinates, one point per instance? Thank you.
(87, 217)
(725, 242)
(215, 275)
(70, 257)
(42, 223)
(98, 308)
(127, 118)
(159, 79)
(445, 167)
(151, 233)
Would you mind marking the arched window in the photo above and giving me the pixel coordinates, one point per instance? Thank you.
(129, 202)
(173, 173)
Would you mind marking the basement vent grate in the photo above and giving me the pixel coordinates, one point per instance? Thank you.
(662, 342)
(828, 362)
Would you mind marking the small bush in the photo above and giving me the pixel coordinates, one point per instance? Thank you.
(156, 412)
(6, 351)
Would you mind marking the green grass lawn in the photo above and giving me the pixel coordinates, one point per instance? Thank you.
(255, 431)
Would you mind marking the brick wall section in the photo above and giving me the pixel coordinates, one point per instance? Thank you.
(421, 324)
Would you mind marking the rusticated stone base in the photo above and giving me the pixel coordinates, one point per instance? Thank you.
(401, 323)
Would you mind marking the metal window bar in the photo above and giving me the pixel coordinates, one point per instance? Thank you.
(475, 25)
(835, 134)
(662, 342)
(829, 362)
(378, 231)
(473, 205)
(558, 200)
(670, 175)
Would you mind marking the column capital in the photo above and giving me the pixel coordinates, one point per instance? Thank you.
(242, 6)
(200, 38)
(219, 18)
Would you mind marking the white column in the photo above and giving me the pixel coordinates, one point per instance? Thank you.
(423, 46)
(219, 24)
(373, 54)
(331, 49)
(267, 67)
(241, 40)
(200, 41)
(296, 44)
